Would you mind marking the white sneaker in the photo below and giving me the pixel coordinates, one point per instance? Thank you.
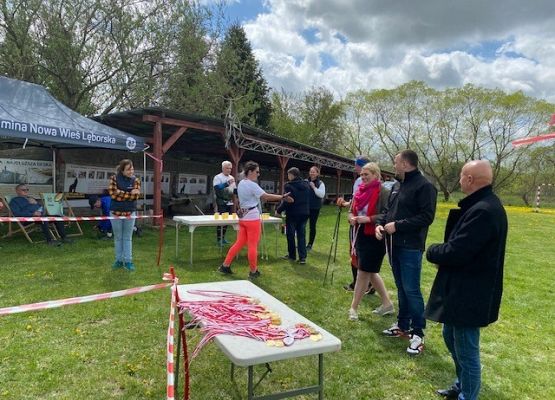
(416, 345)
(381, 310)
(353, 315)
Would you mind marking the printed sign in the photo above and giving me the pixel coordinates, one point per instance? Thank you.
(31, 172)
(191, 184)
(268, 186)
(93, 180)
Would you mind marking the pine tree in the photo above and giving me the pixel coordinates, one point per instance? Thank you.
(241, 79)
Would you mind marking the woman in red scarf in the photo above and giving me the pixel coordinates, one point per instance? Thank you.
(368, 202)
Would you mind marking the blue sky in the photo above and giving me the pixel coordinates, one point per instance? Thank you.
(367, 44)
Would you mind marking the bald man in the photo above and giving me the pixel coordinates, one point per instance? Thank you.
(466, 294)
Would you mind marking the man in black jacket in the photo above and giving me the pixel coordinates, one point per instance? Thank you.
(466, 293)
(296, 215)
(411, 210)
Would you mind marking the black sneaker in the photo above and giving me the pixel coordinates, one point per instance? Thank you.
(308, 247)
(286, 257)
(302, 261)
(254, 275)
(225, 270)
(450, 393)
(370, 291)
(67, 240)
(349, 288)
(53, 243)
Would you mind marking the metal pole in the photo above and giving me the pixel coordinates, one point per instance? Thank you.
(144, 180)
(54, 170)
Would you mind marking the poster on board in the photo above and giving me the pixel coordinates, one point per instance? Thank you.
(268, 186)
(191, 184)
(93, 180)
(30, 172)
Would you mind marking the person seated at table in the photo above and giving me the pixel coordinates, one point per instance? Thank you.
(24, 205)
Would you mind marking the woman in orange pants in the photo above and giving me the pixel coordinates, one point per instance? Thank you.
(249, 194)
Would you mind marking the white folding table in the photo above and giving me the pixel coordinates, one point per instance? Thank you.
(194, 221)
(246, 352)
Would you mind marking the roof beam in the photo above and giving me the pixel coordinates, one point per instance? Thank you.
(181, 123)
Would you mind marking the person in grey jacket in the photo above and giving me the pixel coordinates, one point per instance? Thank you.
(466, 293)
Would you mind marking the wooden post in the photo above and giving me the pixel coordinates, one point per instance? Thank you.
(158, 154)
(282, 160)
(235, 153)
(338, 185)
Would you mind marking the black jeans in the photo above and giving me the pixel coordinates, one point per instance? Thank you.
(313, 218)
(221, 230)
(296, 225)
(46, 232)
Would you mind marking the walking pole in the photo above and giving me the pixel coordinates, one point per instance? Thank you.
(263, 247)
(333, 242)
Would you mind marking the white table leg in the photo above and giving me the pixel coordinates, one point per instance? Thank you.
(192, 233)
(176, 239)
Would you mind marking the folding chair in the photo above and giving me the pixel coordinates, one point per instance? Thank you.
(25, 229)
(54, 204)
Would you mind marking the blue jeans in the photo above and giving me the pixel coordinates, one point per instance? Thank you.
(123, 233)
(464, 346)
(295, 225)
(407, 266)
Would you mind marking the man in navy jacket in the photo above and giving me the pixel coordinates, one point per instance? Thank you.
(466, 293)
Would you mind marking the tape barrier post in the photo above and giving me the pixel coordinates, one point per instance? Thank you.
(170, 388)
(172, 362)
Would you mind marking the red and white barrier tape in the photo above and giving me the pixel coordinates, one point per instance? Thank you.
(67, 219)
(170, 387)
(78, 300)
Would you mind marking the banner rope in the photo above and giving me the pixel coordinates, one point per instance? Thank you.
(69, 219)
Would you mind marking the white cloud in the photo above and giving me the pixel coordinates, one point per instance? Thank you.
(376, 44)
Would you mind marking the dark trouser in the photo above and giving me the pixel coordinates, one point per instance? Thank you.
(296, 225)
(407, 267)
(313, 218)
(221, 230)
(464, 345)
(46, 232)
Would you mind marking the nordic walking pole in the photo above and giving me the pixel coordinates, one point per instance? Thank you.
(333, 242)
(264, 248)
(335, 250)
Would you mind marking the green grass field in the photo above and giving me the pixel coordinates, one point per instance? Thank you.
(115, 349)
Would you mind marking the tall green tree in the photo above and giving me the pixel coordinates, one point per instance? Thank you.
(240, 79)
(18, 53)
(314, 118)
(93, 55)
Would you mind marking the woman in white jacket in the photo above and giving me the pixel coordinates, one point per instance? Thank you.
(317, 193)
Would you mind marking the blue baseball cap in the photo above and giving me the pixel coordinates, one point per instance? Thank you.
(361, 161)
